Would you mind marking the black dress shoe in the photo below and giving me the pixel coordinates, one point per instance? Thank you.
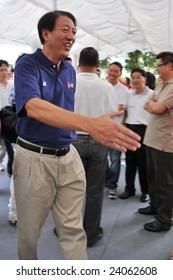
(144, 197)
(54, 230)
(126, 194)
(100, 235)
(156, 226)
(12, 223)
(147, 211)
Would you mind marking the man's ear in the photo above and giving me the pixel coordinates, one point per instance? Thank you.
(45, 34)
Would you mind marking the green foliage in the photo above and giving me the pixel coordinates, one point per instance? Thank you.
(133, 60)
(104, 64)
(145, 60)
(149, 61)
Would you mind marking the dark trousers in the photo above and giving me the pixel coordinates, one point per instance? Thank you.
(136, 161)
(113, 171)
(94, 158)
(160, 179)
(10, 153)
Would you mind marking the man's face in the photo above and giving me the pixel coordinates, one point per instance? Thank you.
(137, 80)
(114, 73)
(162, 69)
(3, 72)
(61, 39)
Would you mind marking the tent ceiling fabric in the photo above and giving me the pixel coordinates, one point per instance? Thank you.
(111, 26)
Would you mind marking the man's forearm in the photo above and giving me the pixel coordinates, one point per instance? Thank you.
(103, 128)
(155, 107)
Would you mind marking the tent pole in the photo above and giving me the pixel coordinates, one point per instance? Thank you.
(54, 4)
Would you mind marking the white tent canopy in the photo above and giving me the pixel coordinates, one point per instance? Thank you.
(111, 26)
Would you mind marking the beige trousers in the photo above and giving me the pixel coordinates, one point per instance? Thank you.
(12, 215)
(45, 183)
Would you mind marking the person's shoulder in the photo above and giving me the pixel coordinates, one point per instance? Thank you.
(68, 65)
(27, 59)
(120, 84)
(105, 83)
(70, 68)
(80, 76)
(122, 87)
(150, 90)
(131, 92)
(170, 81)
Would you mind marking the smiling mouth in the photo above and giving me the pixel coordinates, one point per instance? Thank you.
(68, 46)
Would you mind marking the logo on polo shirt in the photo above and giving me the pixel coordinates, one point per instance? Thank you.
(44, 83)
(70, 85)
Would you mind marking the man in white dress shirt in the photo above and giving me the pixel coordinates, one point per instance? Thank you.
(94, 97)
(137, 120)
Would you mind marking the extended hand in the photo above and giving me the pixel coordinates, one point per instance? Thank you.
(112, 134)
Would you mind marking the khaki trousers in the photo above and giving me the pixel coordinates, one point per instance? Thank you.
(45, 183)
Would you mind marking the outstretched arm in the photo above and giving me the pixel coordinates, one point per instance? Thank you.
(103, 128)
(112, 134)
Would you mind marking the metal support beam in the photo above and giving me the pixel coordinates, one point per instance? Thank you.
(54, 4)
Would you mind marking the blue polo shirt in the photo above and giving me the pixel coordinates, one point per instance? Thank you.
(37, 77)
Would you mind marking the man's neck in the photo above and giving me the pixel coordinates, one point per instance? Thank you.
(87, 69)
(139, 90)
(167, 78)
(3, 82)
(51, 57)
(113, 83)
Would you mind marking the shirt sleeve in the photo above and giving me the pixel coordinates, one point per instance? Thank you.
(167, 99)
(26, 84)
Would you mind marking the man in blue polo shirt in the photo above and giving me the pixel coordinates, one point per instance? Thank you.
(48, 173)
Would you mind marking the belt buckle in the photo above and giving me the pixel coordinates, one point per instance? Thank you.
(61, 152)
(56, 152)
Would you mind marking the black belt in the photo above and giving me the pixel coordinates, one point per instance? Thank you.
(41, 150)
(135, 125)
(86, 136)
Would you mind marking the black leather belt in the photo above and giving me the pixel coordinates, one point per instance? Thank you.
(135, 125)
(85, 136)
(42, 150)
